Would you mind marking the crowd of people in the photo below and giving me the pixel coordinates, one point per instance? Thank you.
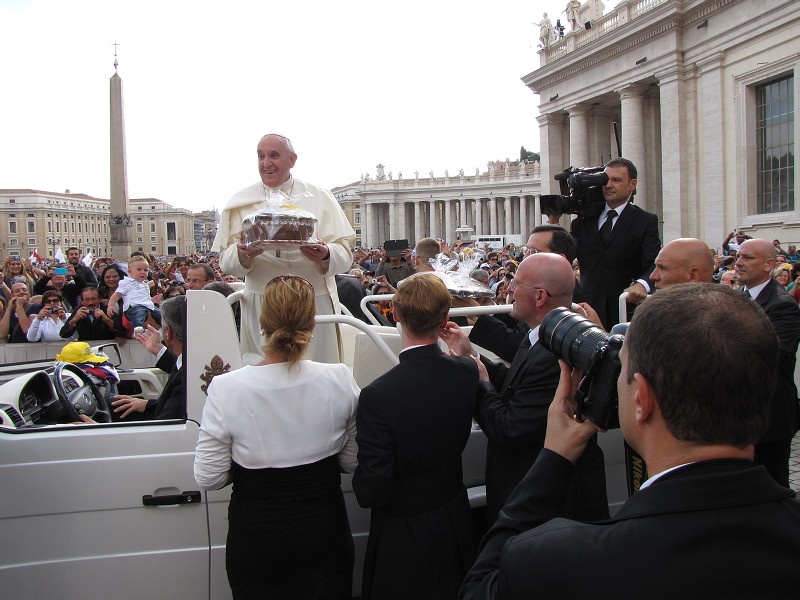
(95, 300)
(283, 428)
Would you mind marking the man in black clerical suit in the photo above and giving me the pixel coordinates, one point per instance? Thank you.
(171, 404)
(413, 424)
(616, 249)
(709, 522)
(512, 409)
(351, 292)
(754, 266)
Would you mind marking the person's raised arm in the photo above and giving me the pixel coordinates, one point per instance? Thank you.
(541, 494)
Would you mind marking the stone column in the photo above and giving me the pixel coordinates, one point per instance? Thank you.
(418, 216)
(677, 174)
(524, 227)
(369, 225)
(493, 217)
(382, 215)
(394, 217)
(515, 205)
(509, 215)
(551, 143)
(434, 219)
(399, 228)
(633, 147)
(463, 220)
(449, 230)
(578, 136)
(478, 216)
(712, 143)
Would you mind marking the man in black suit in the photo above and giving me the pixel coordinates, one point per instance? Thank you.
(85, 273)
(710, 523)
(90, 321)
(413, 424)
(754, 266)
(502, 334)
(171, 404)
(351, 292)
(616, 249)
(512, 409)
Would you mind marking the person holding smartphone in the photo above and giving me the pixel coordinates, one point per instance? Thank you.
(57, 279)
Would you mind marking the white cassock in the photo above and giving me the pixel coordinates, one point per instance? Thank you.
(332, 228)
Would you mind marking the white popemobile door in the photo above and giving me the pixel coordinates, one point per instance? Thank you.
(74, 516)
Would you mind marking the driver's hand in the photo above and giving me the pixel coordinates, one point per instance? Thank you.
(127, 405)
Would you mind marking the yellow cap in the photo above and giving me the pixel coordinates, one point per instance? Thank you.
(79, 352)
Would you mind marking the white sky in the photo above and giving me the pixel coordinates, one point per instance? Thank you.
(414, 85)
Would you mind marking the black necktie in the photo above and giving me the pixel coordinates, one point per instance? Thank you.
(747, 293)
(605, 230)
(519, 357)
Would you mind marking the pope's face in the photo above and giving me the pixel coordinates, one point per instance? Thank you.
(275, 161)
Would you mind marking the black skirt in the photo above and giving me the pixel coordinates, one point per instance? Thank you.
(288, 533)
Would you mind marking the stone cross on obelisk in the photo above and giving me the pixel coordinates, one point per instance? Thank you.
(120, 221)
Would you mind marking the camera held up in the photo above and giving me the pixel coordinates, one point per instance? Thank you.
(585, 346)
(581, 193)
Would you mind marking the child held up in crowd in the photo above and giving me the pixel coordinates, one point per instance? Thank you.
(135, 293)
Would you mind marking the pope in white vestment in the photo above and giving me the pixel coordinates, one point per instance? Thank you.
(332, 228)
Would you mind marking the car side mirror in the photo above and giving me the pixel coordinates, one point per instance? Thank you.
(111, 351)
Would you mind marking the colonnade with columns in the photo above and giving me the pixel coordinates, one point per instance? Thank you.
(448, 218)
(661, 133)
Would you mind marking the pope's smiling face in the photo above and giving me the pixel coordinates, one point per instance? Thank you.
(275, 160)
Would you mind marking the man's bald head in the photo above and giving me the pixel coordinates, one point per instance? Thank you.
(755, 261)
(685, 260)
(555, 274)
(544, 281)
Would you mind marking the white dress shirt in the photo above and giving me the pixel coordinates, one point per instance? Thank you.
(273, 416)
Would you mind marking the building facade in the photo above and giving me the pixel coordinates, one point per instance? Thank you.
(205, 229)
(33, 219)
(704, 95)
(499, 201)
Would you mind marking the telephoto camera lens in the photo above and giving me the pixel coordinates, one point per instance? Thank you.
(572, 337)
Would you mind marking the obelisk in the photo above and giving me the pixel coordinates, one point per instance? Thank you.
(120, 221)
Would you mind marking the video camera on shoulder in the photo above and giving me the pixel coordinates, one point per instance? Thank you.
(585, 346)
(581, 193)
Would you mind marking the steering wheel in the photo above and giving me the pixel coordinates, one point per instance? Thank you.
(86, 399)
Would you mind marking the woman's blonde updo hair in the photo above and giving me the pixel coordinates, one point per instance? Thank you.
(287, 317)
